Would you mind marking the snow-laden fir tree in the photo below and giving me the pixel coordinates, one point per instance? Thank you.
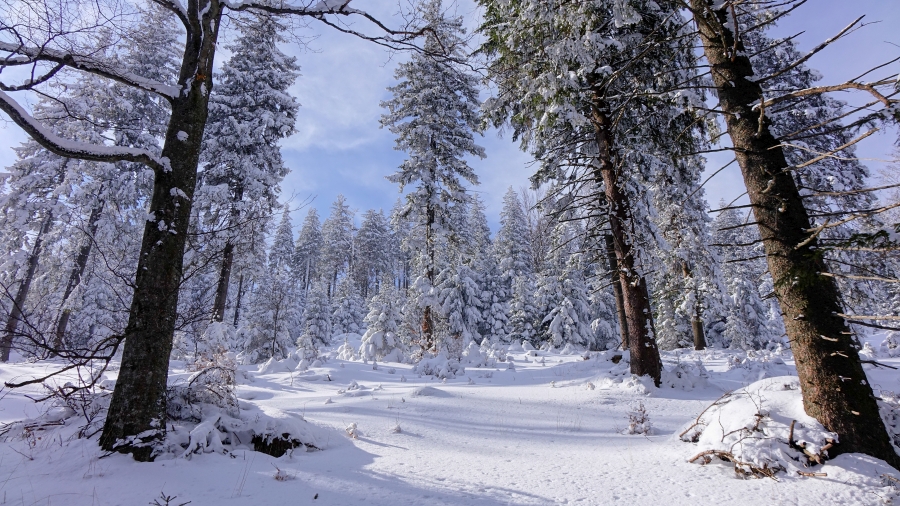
(382, 323)
(250, 111)
(433, 113)
(274, 314)
(479, 256)
(373, 251)
(337, 243)
(581, 85)
(510, 245)
(307, 249)
(687, 284)
(569, 322)
(460, 304)
(316, 322)
(349, 309)
(523, 314)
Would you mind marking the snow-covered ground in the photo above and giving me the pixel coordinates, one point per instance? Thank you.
(553, 429)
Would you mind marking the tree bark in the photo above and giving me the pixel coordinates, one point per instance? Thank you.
(835, 388)
(635, 295)
(221, 299)
(84, 253)
(697, 327)
(697, 317)
(18, 304)
(237, 302)
(137, 412)
(427, 317)
(617, 290)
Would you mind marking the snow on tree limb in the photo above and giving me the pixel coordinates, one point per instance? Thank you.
(72, 149)
(35, 54)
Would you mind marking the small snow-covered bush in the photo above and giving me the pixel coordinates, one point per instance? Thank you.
(440, 366)
(209, 387)
(346, 352)
(638, 420)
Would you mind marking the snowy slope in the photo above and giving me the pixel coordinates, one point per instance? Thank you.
(537, 434)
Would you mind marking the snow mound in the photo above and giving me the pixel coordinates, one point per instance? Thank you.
(762, 429)
(261, 428)
(429, 392)
(273, 366)
(685, 376)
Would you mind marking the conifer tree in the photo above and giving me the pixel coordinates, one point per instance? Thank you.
(433, 112)
(382, 323)
(337, 243)
(349, 309)
(576, 82)
(316, 323)
(373, 251)
(250, 111)
(307, 249)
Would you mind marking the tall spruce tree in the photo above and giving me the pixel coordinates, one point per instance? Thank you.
(250, 111)
(433, 112)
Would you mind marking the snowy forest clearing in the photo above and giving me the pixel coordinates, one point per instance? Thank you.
(550, 430)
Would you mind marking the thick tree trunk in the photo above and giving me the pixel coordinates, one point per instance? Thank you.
(84, 253)
(221, 299)
(137, 412)
(617, 290)
(835, 388)
(18, 303)
(635, 296)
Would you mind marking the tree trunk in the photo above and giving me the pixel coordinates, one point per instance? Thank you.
(237, 302)
(697, 317)
(218, 312)
(84, 253)
(136, 418)
(834, 385)
(617, 290)
(635, 296)
(18, 304)
(697, 327)
(427, 317)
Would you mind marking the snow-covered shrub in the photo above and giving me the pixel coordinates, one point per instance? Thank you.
(346, 351)
(212, 387)
(638, 420)
(439, 366)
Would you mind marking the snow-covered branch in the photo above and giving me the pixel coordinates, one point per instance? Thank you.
(100, 68)
(72, 149)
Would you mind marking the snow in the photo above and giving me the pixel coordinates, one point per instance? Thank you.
(73, 148)
(554, 429)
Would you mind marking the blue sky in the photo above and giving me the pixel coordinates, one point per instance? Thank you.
(339, 147)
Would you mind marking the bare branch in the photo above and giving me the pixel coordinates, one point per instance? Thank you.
(810, 54)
